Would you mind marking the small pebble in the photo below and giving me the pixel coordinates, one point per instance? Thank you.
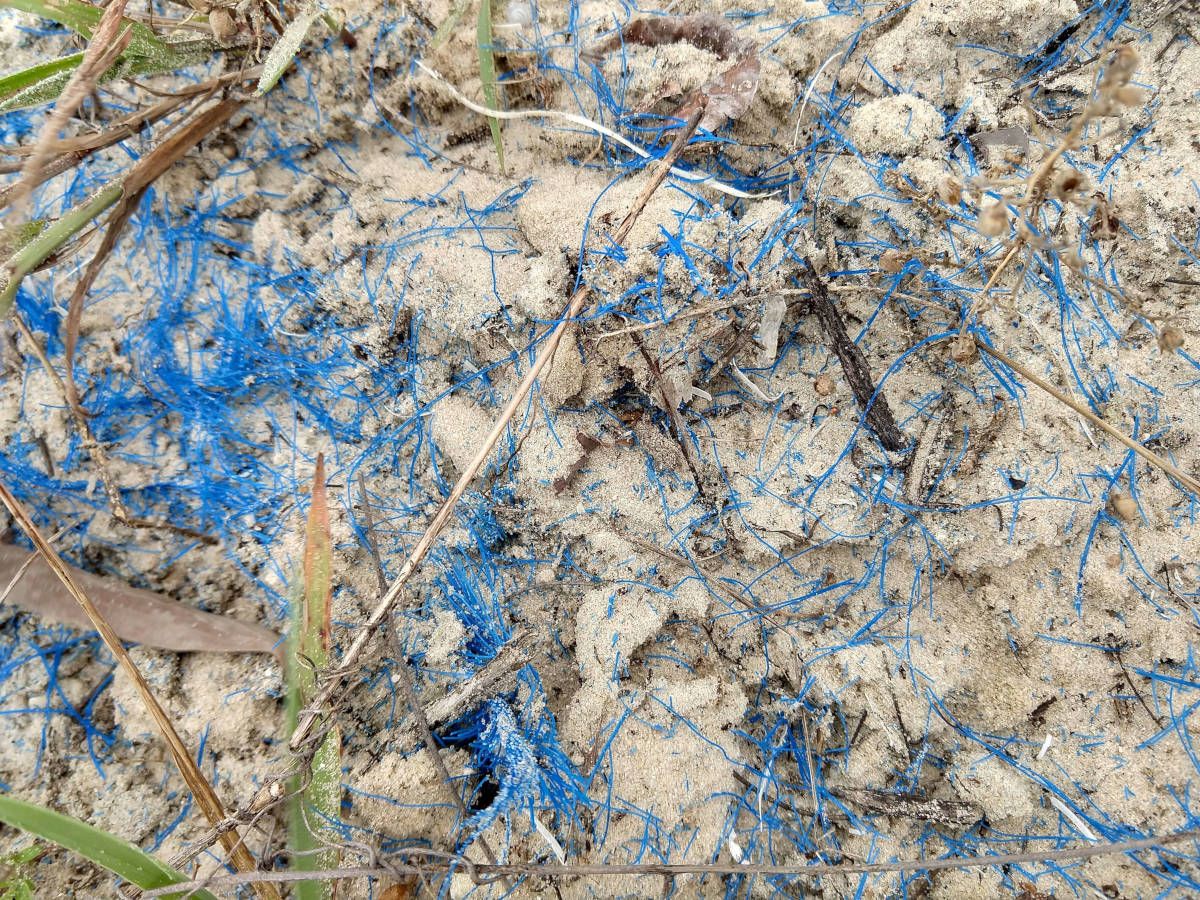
(1122, 506)
(519, 13)
(224, 28)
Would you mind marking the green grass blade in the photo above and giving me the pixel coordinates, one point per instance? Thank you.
(310, 636)
(286, 48)
(27, 78)
(120, 857)
(14, 238)
(487, 73)
(48, 88)
(45, 91)
(82, 18)
(449, 24)
(323, 798)
(38, 249)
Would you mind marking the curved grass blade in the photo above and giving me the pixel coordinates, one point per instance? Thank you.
(118, 856)
(38, 249)
(82, 18)
(487, 73)
(286, 48)
(58, 72)
(310, 639)
(25, 79)
(14, 238)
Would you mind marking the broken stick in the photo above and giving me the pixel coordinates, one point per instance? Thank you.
(875, 406)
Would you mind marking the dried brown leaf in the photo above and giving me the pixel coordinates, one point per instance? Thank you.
(588, 443)
(725, 96)
(136, 615)
(206, 797)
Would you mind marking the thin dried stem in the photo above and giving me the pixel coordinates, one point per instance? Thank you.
(418, 713)
(140, 177)
(483, 874)
(205, 796)
(134, 186)
(108, 42)
(70, 152)
(574, 307)
(1153, 458)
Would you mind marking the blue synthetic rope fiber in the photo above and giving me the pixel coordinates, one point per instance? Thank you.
(234, 358)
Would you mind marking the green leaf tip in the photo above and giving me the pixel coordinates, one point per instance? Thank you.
(286, 48)
(487, 74)
(118, 856)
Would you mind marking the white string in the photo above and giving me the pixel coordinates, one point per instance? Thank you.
(694, 178)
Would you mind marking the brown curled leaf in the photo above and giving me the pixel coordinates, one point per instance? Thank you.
(588, 443)
(705, 31)
(727, 95)
(136, 615)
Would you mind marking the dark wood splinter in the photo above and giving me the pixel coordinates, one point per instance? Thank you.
(878, 414)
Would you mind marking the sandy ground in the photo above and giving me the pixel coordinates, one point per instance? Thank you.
(764, 642)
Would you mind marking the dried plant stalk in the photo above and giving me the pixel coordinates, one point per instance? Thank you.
(1154, 459)
(484, 874)
(205, 796)
(574, 307)
(107, 43)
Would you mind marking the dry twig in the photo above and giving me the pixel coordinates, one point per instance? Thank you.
(205, 796)
(483, 874)
(1153, 458)
(107, 43)
(336, 680)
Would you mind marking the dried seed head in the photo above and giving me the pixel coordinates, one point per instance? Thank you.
(1067, 183)
(993, 220)
(950, 190)
(1170, 339)
(1129, 95)
(1122, 507)
(1124, 63)
(962, 349)
(823, 385)
(224, 28)
(893, 260)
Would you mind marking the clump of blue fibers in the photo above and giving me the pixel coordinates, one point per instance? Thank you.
(526, 763)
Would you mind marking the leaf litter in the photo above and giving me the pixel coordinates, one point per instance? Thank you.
(136, 615)
(725, 96)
